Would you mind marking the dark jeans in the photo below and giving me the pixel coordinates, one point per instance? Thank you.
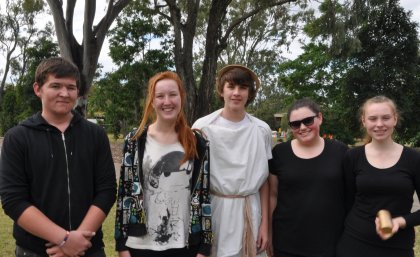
(22, 252)
(182, 252)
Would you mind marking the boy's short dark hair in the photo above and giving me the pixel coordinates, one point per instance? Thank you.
(59, 67)
(238, 75)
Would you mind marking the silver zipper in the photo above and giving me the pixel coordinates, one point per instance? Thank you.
(68, 177)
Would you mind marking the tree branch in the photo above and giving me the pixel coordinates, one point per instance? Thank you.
(192, 11)
(236, 23)
(89, 16)
(61, 28)
(157, 8)
(69, 16)
(112, 12)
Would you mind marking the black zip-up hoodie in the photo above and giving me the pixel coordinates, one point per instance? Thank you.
(61, 174)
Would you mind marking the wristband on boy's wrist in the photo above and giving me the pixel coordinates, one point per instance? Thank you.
(65, 239)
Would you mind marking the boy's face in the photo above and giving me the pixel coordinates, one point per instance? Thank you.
(58, 96)
(235, 96)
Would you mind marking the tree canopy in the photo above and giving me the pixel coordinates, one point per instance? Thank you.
(358, 51)
(130, 49)
(17, 29)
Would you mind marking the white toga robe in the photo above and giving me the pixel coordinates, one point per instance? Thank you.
(238, 166)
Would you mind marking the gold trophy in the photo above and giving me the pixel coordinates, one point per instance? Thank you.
(385, 221)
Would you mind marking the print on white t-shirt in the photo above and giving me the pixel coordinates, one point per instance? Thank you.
(167, 197)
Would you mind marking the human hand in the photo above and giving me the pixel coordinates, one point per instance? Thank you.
(269, 250)
(124, 254)
(397, 223)
(200, 255)
(262, 238)
(77, 243)
(54, 250)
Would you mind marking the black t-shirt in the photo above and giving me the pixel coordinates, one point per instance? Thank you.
(309, 216)
(373, 189)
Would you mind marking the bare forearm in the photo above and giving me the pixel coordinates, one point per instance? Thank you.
(93, 219)
(35, 222)
(264, 196)
(273, 203)
(273, 183)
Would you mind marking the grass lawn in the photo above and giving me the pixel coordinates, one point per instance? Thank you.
(7, 243)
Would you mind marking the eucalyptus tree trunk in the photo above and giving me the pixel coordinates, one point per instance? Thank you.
(85, 56)
(200, 97)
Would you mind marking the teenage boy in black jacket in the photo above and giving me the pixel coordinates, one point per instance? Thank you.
(57, 177)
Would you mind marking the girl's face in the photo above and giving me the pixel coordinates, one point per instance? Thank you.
(167, 100)
(379, 120)
(305, 124)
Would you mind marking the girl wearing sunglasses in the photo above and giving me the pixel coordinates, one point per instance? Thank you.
(382, 174)
(306, 188)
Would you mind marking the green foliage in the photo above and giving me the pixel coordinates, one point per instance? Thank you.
(136, 29)
(266, 109)
(315, 74)
(43, 47)
(257, 42)
(25, 102)
(8, 110)
(17, 29)
(387, 65)
(118, 94)
(31, 6)
(359, 49)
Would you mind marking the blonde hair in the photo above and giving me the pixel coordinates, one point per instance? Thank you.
(185, 135)
(375, 100)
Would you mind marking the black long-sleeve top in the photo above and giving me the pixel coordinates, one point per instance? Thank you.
(372, 189)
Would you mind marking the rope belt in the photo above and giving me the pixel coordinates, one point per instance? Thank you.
(248, 240)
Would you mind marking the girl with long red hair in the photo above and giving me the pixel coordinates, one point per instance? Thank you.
(163, 205)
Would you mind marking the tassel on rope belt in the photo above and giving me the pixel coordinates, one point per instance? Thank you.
(248, 241)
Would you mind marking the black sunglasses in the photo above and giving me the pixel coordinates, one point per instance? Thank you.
(306, 121)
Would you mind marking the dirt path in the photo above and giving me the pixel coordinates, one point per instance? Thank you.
(116, 149)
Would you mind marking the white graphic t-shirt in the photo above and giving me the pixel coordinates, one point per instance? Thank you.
(166, 197)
